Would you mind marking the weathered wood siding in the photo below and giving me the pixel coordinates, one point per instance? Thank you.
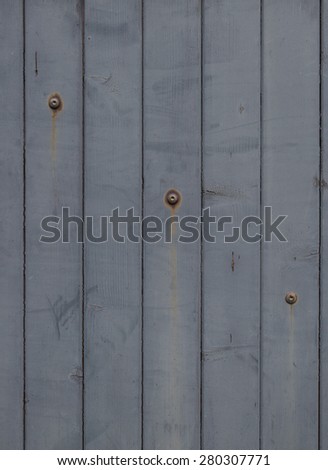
(166, 345)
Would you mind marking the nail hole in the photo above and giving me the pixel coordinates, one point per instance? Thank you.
(291, 298)
(172, 197)
(55, 102)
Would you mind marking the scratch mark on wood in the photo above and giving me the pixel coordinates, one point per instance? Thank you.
(95, 308)
(36, 71)
(104, 80)
(317, 183)
(219, 353)
(63, 310)
(225, 192)
(76, 375)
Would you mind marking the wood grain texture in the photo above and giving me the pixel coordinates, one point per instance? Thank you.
(11, 228)
(172, 124)
(324, 233)
(231, 272)
(113, 91)
(163, 345)
(291, 45)
(53, 271)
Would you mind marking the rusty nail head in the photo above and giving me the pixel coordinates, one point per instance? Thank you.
(172, 197)
(291, 298)
(54, 102)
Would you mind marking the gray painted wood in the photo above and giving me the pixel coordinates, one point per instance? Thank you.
(11, 228)
(290, 171)
(53, 271)
(324, 237)
(172, 124)
(113, 92)
(127, 371)
(231, 274)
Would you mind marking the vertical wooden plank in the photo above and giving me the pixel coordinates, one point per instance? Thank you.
(231, 272)
(53, 180)
(172, 123)
(11, 230)
(113, 52)
(324, 231)
(291, 44)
